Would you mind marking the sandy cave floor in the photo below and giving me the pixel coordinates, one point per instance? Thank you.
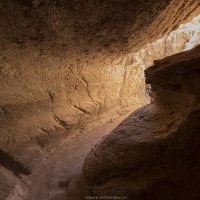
(51, 179)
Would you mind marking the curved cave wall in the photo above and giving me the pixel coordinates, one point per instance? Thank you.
(65, 67)
(153, 154)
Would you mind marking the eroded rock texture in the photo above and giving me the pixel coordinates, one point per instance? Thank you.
(59, 66)
(186, 37)
(153, 154)
(63, 69)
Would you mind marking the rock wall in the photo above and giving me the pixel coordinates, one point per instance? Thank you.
(153, 154)
(63, 68)
(61, 64)
(186, 37)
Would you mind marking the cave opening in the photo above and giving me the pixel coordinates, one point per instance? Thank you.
(184, 38)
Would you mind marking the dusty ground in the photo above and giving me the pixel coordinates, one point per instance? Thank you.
(54, 174)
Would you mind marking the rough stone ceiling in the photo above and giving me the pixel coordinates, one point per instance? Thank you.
(92, 26)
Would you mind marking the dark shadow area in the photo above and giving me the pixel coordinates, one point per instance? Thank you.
(10, 163)
(148, 92)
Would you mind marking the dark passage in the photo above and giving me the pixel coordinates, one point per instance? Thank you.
(10, 163)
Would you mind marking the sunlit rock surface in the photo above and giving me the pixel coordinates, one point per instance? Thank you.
(154, 152)
(186, 37)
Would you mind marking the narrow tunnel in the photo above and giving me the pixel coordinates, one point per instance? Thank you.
(99, 99)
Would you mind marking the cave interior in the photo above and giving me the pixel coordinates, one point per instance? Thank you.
(99, 99)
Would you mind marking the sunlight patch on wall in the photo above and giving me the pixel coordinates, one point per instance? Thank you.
(186, 37)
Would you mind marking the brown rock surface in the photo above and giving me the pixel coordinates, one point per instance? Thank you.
(154, 152)
(64, 70)
(59, 63)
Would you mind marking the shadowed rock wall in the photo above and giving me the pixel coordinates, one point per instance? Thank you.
(154, 153)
